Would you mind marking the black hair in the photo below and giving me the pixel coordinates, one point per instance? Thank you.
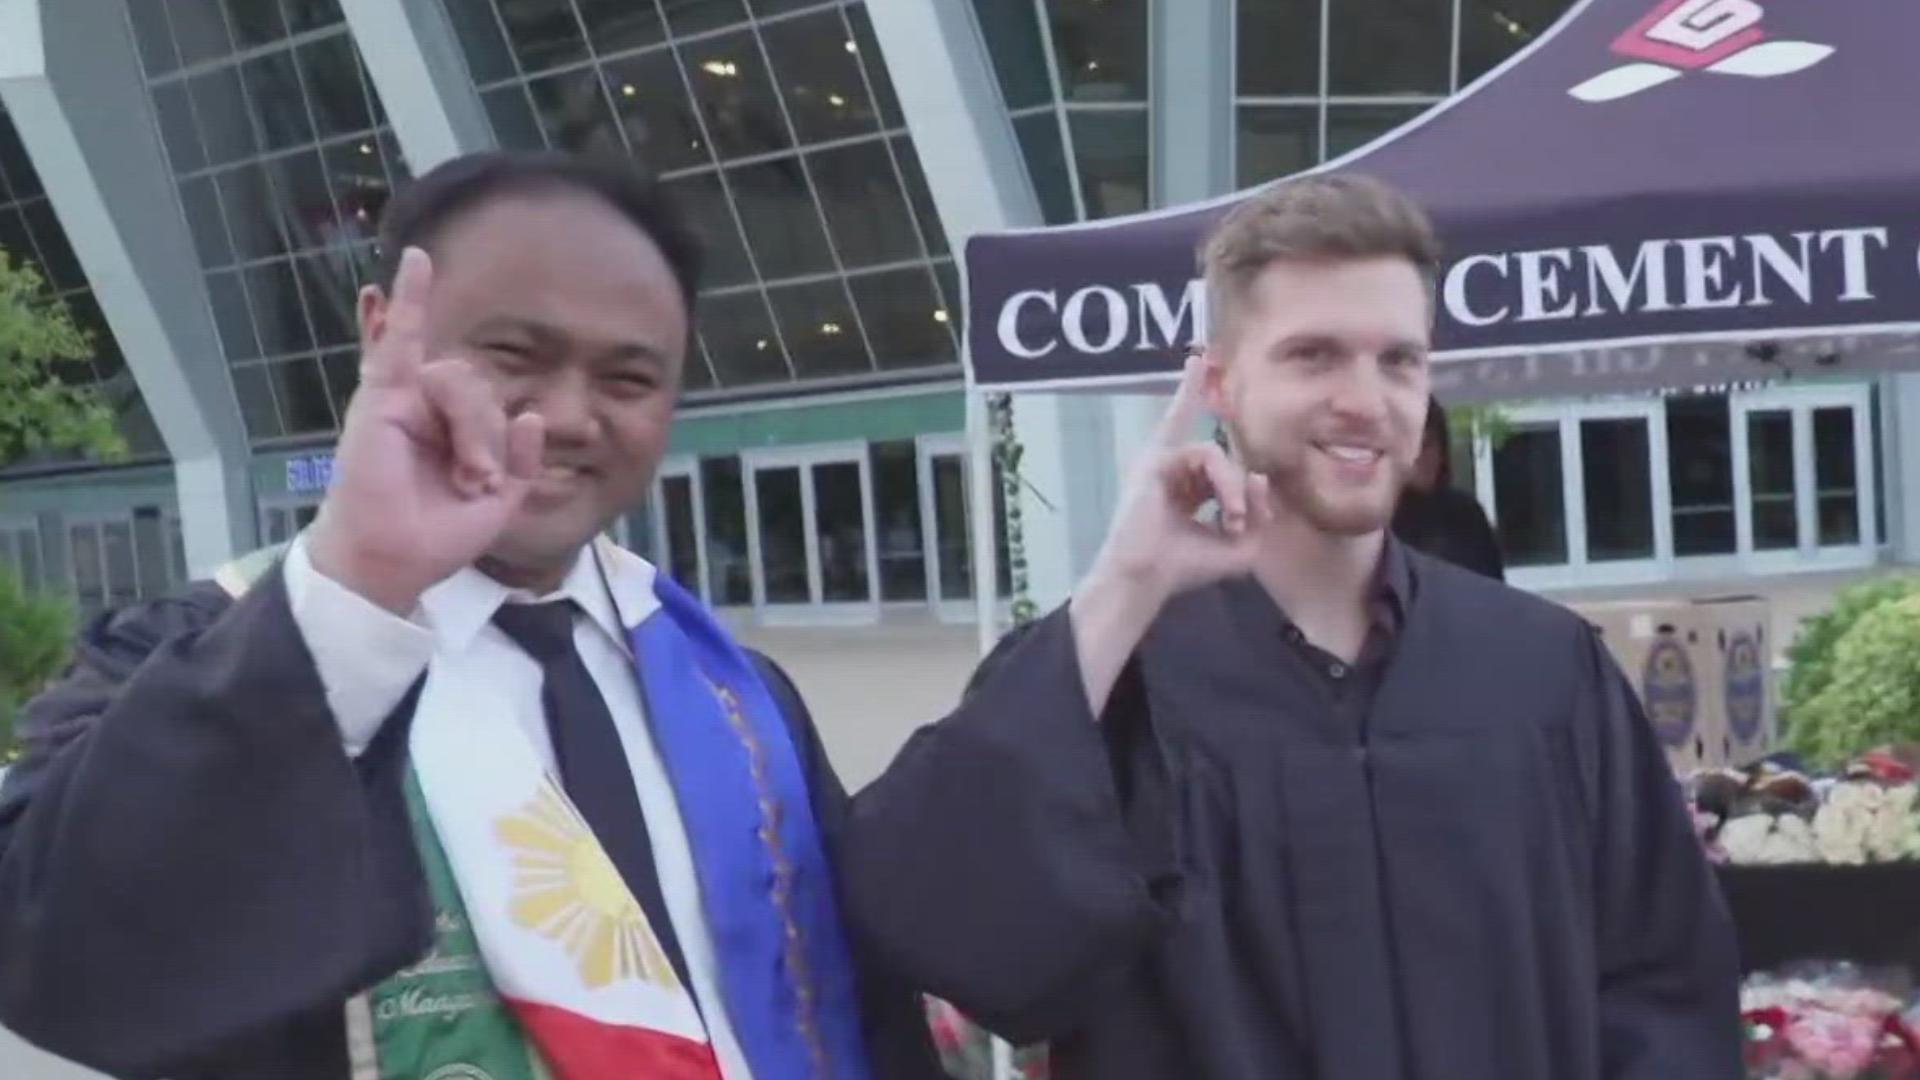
(424, 208)
(1437, 432)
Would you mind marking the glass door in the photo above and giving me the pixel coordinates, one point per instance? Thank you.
(1576, 495)
(677, 534)
(811, 537)
(1803, 468)
(946, 504)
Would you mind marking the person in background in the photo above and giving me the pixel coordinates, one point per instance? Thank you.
(1439, 519)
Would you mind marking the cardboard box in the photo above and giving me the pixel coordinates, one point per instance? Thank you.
(1702, 669)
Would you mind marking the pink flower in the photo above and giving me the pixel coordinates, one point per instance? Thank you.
(1838, 1046)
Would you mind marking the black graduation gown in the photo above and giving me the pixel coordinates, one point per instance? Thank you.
(1493, 880)
(194, 876)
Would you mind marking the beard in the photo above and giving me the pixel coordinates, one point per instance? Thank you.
(1321, 502)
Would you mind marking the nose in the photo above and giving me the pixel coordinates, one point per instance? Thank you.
(565, 400)
(1360, 393)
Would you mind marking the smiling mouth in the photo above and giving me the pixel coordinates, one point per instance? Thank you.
(1351, 455)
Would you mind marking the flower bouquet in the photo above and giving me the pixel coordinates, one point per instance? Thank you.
(1773, 814)
(1829, 1022)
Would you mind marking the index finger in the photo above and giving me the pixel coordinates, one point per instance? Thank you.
(1189, 403)
(401, 351)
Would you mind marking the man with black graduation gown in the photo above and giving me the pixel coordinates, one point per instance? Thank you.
(1277, 798)
(207, 848)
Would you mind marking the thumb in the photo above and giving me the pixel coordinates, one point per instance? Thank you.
(526, 446)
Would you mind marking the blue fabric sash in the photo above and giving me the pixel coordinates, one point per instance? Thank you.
(766, 888)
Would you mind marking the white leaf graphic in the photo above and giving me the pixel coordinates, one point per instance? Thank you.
(1770, 58)
(1622, 81)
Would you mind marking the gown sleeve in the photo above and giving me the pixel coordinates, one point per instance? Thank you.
(1668, 962)
(1018, 857)
(188, 858)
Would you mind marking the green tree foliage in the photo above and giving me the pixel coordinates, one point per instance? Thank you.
(1812, 656)
(34, 631)
(1871, 696)
(46, 404)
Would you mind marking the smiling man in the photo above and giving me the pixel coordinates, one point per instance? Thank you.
(451, 789)
(1276, 798)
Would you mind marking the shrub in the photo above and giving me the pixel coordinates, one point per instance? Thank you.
(34, 633)
(1871, 696)
(1812, 656)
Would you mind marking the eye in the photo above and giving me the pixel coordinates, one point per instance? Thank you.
(632, 384)
(512, 350)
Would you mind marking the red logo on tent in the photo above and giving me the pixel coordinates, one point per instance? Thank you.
(1721, 36)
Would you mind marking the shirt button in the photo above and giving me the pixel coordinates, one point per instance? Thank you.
(1338, 671)
(1294, 636)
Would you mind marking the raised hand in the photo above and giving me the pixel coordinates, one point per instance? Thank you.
(429, 468)
(1157, 547)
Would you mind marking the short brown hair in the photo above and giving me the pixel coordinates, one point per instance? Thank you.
(1328, 217)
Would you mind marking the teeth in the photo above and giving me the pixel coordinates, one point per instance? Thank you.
(1359, 455)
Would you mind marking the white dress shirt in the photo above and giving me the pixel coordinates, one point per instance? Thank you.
(368, 658)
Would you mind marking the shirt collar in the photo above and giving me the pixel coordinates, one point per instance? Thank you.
(458, 608)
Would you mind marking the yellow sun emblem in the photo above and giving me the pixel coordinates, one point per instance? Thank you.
(566, 888)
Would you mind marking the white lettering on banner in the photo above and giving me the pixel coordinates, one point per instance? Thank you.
(1795, 274)
(1705, 274)
(1010, 323)
(1151, 311)
(1073, 319)
(1455, 290)
(1853, 247)
(1699, 25)
(1542, 283)
(1603, 270)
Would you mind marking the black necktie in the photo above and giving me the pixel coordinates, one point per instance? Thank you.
(593, 762)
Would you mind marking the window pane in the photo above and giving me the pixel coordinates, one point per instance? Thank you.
(1047, 164)
(481, 40)
(514, 125)
(921, 198)
(1102, 48)
(328, 284)
(21, 177)
(1616, 464)
(14, 238)
(896, 502)
(864, 205)
(200, 29)
(155, 38)
(618, 25)
(908, 326)
(731, 86)
(574, 113)
(1279, 47)
(951, 535)
(1112, 148)
(332, 72)
(1276, 141)
(694, 16)
(342, 372)
(177, 129)
(304, 408)
(1835, 478)
(252, 217)
(204, 220)
(783, 535)
(544, 33)
(358, 176)
(274, 88)
(307, 206)
(729, 579)
(1012, 33)
(62, 266)
(254, 22)
(820, 79)
(867, 48)
(122, 575)
(220, 105)
(1770, 469)
(683, 555)
(250, 385)
(1350, 127)
(740, 340)
(304, 15)
(705, 204)
(277, 309)
(840, 533)
(232, 316)
(1700, 474)
(1389, 46)
(819, 328)
(781, 223)
(83, 553)
(696, 375)
(31, 571)
(661, 128)
(1530, 498)
(1491, 31)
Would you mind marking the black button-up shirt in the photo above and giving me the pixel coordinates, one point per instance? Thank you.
(1350, 687)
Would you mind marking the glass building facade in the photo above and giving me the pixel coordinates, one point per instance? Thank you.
(776, 127)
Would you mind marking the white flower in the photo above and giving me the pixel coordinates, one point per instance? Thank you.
(1844, 821)
(1792, 841)
(1744, 838)
(1894, 832)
